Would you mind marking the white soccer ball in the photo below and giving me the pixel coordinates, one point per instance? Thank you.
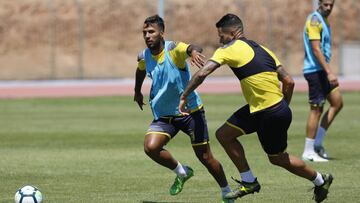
(28, 194)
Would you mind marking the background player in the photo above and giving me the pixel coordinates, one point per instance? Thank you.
(323, 83)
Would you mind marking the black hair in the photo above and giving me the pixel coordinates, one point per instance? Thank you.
(155, 19)
(320, 1)
(230, 20)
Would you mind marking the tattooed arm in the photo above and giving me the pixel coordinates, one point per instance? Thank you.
(287, 83)
(195, 81)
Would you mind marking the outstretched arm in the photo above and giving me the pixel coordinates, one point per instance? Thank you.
(287, 83)
(197, 58)
(196, 80)
(139, 79)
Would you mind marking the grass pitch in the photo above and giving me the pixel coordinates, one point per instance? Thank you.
(91, 150)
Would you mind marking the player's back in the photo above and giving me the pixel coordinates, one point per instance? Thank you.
(255, 66)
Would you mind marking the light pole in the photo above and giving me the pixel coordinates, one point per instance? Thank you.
(315, 4)
(161, 8)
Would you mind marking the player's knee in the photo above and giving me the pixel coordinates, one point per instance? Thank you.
(207, 160)
(274, 160)
(225, 136)
(147, 150)
(220, 136)
(204, 158)
(316, 111)
(277, 160)
(151, 149)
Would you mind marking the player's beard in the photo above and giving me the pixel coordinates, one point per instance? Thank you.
(155, 47)
(324, 13)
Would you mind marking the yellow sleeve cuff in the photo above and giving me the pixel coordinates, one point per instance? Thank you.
(141, 64)
(219, 56)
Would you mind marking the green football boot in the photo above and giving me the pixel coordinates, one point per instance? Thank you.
(178, 185)
(244, 188)
(320, 192)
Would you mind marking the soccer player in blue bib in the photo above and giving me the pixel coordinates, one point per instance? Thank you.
(322, 82)
(267, 112)
(164, 62)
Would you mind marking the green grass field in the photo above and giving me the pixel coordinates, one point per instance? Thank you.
(91, 150)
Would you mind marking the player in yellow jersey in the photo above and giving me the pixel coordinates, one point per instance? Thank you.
(267, 112)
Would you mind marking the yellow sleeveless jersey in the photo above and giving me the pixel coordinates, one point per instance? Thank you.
(255, 66)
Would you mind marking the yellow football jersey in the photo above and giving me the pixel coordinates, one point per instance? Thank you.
(255, 66)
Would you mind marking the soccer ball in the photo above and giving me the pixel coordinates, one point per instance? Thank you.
(28, 194)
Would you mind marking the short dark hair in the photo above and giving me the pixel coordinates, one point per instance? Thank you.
(155, 19)
(230, 20)
(320, 1)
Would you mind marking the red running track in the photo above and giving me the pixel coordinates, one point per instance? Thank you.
(92, 88)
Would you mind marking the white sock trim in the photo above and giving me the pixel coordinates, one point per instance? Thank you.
(318, 180)
(309, 146)
(180, 170)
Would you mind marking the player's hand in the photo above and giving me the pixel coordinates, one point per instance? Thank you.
(139, 99)
(182, 106)
(197, 59)
(333, 79)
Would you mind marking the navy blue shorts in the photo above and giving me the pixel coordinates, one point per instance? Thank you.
(194, 125)
(270, 124)
(319, 87)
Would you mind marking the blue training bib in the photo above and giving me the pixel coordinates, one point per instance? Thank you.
(310, 62)
(168, 83)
